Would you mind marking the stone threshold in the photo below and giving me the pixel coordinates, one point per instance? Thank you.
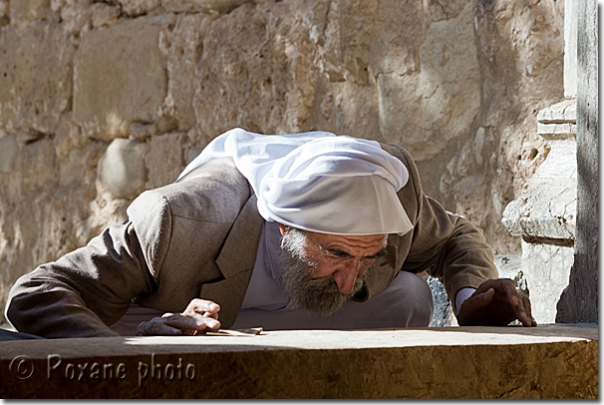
(549, 361)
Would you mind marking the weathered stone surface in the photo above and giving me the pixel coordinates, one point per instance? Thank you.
(570, 48)
(24, 11)
(458, 363)
(135, 8)
(510, 266)
(520, 55)
(544, 214)
(4, 12)
(443, 311)
(547, 208)
(122, 168)
(203, 6)
(35, 78)
(164, 161)
(546, 268)
(120, 77)
(185, 47)
(558, 121)
(435, 93)
(104, 15)
(76, 15)
(539, 47)
(579, 302)
(8, 153)
(260, 56)
(514, 160)
(348, 40)
(37, 164)
(564, 112)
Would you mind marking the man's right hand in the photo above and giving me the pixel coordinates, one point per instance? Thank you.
(199, 317)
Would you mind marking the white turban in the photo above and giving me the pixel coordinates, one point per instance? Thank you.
(317, 181)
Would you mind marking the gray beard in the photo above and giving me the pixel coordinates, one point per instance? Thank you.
(320, 295)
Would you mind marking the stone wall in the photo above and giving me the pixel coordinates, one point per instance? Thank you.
(100, 100)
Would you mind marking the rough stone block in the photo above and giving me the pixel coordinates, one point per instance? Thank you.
(37, 165)
(9, 148)
(547, 208)
(547, 269)
(135, 8)
(436, 93)
(550, 361)
(203, 6)
(185, 50)
(77, 16)
(4, 12)
(554, 131)
(348, 37)
(260, 56)
(35, 78)
(23, 11)
(397, 37)
(119, 77)
(122, 168)
(538, 34)
(104, 15)
(563, 112)
(71, 168)
(443, 310)
(164, 161)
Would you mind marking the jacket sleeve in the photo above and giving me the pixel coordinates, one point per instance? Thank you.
(91, 287)
(445, 245)
(451, 249)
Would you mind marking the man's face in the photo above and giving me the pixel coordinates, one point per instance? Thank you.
(322, 271)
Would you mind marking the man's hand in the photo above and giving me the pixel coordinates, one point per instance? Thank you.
(199, 316)
(496, 303)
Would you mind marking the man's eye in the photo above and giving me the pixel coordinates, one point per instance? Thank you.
(335, 254)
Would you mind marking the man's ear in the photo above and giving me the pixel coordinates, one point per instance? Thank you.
(283, 229)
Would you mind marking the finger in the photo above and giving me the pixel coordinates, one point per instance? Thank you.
(521, 313)
(156, 328)
(511, 293)
(527, 307)
(187, 321)
(210, 315)
(203, 307)
(499, 285)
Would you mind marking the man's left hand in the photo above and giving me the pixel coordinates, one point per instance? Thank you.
(496, 303)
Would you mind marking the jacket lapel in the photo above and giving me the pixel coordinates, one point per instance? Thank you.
(236, 261)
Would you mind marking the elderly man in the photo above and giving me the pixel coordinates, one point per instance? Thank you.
(304, 231)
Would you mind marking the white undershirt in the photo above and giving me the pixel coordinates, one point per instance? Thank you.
(264, 290)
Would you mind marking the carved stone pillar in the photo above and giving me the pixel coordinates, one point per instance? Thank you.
(545, 214)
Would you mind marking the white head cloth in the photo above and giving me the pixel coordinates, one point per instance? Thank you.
(317, 181)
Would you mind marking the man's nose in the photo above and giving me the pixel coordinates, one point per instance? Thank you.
(346, 276)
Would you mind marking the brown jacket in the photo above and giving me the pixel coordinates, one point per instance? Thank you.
(198, 238)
